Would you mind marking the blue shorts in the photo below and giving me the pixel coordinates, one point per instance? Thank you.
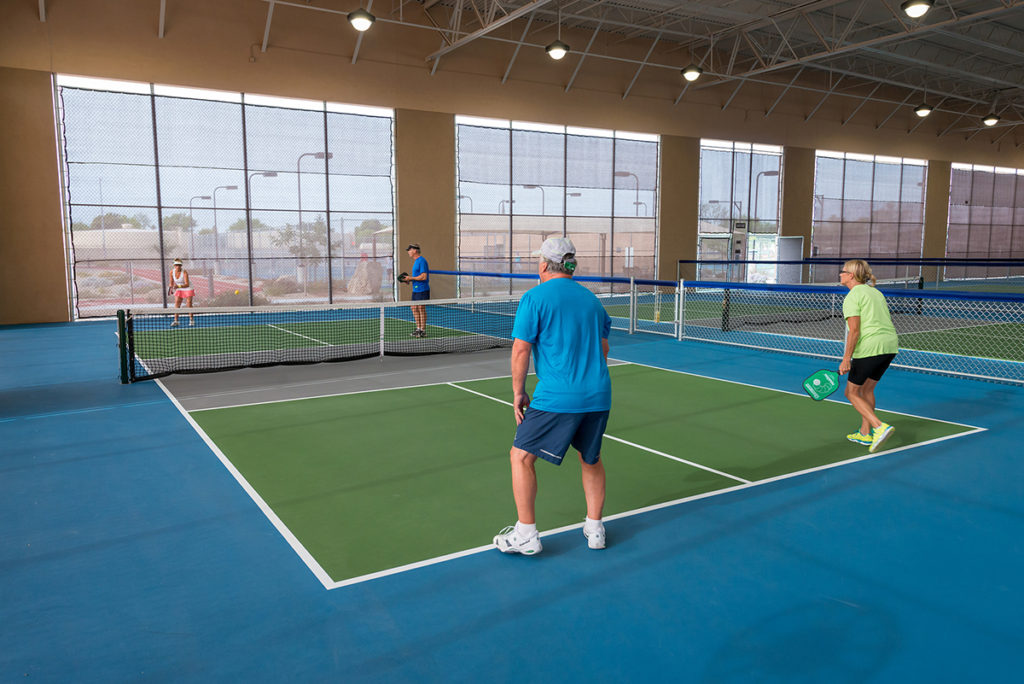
(417, 296)
(549, 435)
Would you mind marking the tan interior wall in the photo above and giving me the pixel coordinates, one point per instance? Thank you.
(797, 194)
(679, 198)
(425, 180)
(32, 275)
(936, 212)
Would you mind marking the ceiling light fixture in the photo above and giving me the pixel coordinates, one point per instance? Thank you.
(991, 120)
(558, 49)
(923, 110)
(692, 72)
(916, 9)
(361, 20)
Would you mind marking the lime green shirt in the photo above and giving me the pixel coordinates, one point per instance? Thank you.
(877, 333)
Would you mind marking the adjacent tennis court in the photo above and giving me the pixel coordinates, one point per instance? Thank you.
(374, 482)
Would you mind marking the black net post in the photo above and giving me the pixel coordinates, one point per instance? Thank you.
(122, 346)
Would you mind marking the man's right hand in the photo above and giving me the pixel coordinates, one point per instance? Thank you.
(520, 402)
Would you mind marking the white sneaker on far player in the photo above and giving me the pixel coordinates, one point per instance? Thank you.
(595, 536)
(509, 541)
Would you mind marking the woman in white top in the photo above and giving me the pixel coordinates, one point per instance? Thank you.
(181, 288)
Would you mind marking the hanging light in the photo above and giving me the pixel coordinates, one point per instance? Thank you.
(923, 110)
(917, 8)
(557, 49)
(361, 20)
(692, 72)
(991, 119)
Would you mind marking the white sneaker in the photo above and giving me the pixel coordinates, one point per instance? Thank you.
(174, 324)
(191, 323)
(595, 537)
(509, 541)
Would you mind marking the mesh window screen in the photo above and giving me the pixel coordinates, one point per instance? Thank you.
(519, 185)
(986, 220)
(867, 207)
(264, 204)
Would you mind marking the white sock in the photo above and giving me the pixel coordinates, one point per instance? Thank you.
(592, 524)
(526, 531)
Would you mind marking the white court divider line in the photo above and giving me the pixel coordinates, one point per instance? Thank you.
(801, 394)
(619, 439)
(648, 509)
(292, 332)
(278, 524)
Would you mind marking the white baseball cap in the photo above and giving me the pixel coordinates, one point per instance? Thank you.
(556, 248)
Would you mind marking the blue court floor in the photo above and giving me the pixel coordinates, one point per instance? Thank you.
(130, 554)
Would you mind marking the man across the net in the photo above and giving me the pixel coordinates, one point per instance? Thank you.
(566, 328)
(420, 280)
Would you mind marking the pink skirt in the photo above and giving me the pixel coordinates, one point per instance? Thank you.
(184, 294)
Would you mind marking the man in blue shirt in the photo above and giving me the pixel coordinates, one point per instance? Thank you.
(566, 328)
(420, 280)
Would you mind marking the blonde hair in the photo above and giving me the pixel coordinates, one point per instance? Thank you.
(861, 272)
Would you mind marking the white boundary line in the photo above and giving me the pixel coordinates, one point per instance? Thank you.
(619, 439)
(305, 337)
(800, 394)
(292, 540)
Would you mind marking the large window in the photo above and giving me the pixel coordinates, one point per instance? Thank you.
(867, 206)
(739, 209)
(265, 200)
(986, 219)
(521, 183)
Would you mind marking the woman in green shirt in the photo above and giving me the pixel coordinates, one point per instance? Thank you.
(871, 345)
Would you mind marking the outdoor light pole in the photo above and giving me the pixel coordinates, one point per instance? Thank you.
(627, 174)
(216, 235)
(502, 203)
(191, 226)
(248, 219)
(757, 188)
(298, 176)
(470, 199)
(542, 198)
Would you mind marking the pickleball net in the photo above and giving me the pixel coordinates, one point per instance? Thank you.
(230, 338)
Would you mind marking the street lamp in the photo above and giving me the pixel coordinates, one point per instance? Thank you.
(248, 218)
(502, 203)
(537, 187)
(191, 226)
(466, 197)
(216, 235)
(298, 176)
(627, 174)
(757, 188)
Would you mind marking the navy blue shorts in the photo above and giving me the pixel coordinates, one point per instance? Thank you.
(418, 296)
(549, 435)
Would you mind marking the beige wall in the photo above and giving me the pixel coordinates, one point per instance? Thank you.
(680, 202)
(32, 274)
(797, 194)
(936, 213)
(217, 45)
(425, 184)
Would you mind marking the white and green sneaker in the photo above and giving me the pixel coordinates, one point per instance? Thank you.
(879, 435)
(509, 541)
(859, 438)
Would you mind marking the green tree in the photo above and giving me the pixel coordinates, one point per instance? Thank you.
(78, 225)
(312, 242)
(365, 230)
(143, 221)
(178, 220)
(110, 220)
(239, 225)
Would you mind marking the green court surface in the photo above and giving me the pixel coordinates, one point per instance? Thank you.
(208, 339)
(995, 341)
(372, 481)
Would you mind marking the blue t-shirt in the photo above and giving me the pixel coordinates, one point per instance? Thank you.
(420, 266)
(565, 323)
